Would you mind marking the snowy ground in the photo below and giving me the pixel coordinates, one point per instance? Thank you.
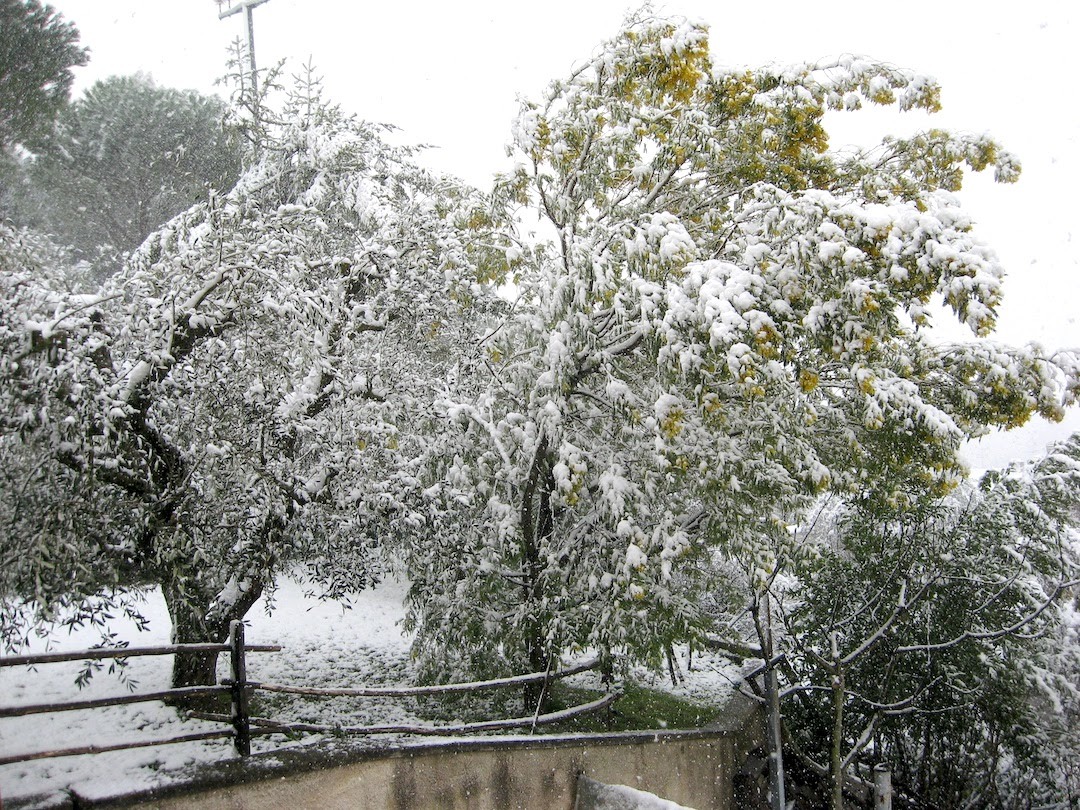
(324, 645)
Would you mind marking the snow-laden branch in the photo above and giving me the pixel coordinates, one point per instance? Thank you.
(454, 409)
(1002, 632)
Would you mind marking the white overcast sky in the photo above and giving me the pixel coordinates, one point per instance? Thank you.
(449, 74)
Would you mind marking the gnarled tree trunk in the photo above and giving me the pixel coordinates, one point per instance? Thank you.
(202, 618)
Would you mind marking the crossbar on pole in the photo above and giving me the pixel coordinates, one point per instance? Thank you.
(241, 6)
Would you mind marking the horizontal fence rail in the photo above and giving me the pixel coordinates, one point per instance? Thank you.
(102, 749)
(436, 689)
(443, 731)
(263, 725)
(120, 700)
(240, 689)
(125, 652)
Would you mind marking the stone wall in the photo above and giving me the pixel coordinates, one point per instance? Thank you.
(699, 769)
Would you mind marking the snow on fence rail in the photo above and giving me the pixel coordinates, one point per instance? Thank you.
(240, 688)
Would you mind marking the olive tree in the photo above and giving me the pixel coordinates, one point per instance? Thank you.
(215, 415)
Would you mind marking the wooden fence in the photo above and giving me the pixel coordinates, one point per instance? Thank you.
(239, 688)
(235, 647)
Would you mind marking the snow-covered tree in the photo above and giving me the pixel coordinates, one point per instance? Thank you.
(221, 410)
(38, 49)
(718, 319)
(927, 638)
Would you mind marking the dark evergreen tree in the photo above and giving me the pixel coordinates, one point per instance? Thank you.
(38, 49)
(127, 157)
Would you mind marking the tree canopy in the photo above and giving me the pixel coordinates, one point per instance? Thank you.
(722, 319)
(200, 424)
(580, 411)
(929, 637)
(124, 159)
(38, 49)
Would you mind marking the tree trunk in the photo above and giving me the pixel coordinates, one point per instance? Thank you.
(535, 695)
(836, 772)
(189, 626)
(537, 524)
(200, 619)
(777, 798)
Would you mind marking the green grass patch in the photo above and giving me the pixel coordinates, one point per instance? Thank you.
(639, 709)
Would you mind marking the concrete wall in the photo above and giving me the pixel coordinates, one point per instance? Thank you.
(695, 768)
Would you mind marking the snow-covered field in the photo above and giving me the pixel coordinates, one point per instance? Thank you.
(324, 645)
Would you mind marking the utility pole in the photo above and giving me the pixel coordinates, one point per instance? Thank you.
(247, 6)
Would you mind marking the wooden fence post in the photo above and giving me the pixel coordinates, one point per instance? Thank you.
(240, 717)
